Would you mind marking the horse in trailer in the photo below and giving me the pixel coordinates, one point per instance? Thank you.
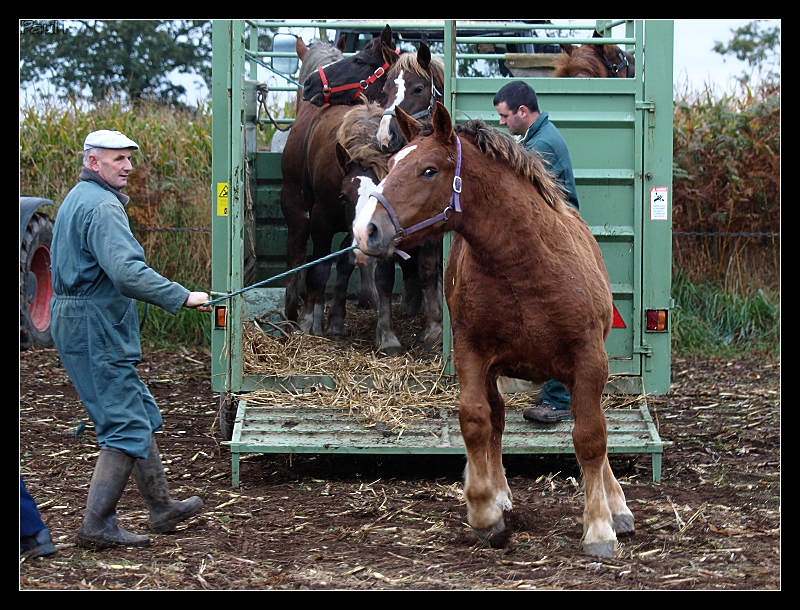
(309, 171)
(414, 83)
(364, 165)
(343, 81)
(529, 298)
(594, 61)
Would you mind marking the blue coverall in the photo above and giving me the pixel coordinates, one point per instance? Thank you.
(98, 273)
(544, 138)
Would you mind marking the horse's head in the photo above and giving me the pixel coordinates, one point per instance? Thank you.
(413, 84)
(594, 61)
(420, 192)
(343, 81)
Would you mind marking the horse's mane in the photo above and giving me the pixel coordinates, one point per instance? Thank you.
(320, 53)
(501, 146)
(583, 61)
(356, 134)
(409, 63)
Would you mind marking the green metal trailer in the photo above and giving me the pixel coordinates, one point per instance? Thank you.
(619, 132)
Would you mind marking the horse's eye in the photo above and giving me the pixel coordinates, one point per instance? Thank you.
(419, 90)
(430, 172)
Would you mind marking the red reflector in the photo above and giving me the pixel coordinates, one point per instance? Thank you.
(657, 320)
(618, 321)
(220, 315)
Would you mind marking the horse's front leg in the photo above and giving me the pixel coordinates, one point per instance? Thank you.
(605, 510)
(385, 337)
(344, 269)
(430, 277)
(487, 494)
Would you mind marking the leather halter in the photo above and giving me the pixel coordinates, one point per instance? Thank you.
(613, 69)
(359, 86)
(443, 216)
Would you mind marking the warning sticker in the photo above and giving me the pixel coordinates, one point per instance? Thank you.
(659, 203)
(222, 198)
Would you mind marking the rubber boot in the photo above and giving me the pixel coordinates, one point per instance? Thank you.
(99, 529)
(165, 513)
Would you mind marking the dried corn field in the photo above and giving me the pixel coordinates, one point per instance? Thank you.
(361, 522)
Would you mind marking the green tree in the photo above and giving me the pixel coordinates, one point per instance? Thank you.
(90, 58)
(759, 46)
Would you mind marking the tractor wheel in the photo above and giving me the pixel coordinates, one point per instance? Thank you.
(34, 283)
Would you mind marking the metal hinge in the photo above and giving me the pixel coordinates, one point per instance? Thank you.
(642, 105)
(645, 349)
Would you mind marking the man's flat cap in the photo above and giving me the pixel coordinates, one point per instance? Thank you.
(108, 139)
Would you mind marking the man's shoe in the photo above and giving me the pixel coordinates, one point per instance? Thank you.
(38, 545)
(546, 413)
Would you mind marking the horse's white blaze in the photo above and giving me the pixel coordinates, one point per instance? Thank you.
(365, 207)
(366, 204)
(400, 155)
(383, 129)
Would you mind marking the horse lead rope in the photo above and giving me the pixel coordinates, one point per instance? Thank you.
(279, 276)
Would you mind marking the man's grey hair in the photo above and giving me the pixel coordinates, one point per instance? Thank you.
(86, 153)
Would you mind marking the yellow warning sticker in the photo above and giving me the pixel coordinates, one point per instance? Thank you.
(222, 198)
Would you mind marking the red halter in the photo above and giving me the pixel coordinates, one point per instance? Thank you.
(327, 90)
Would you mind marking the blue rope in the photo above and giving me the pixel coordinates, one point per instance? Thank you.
(279, 276)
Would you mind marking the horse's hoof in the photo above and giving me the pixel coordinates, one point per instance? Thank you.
(336, 331)
(392, 350)
(606, 548)
(496, 536)
(623, 524)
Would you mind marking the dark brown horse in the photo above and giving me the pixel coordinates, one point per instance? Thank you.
(594, 61)
(529, 298)
(312, 178)
(364, 166)
(343, 81)
(414, 83)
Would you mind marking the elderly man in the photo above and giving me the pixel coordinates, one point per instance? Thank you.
(98, 272)
(518, 107)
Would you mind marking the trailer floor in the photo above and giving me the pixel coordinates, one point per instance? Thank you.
(288, 430)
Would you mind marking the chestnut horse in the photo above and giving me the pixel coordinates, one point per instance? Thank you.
(594, 61)
(312, 179)
(529, 298)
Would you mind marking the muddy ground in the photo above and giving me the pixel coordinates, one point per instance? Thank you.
(365, 523)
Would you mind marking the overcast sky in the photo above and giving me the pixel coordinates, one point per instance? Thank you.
(696, 64)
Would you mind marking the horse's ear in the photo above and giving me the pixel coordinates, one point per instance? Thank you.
(567, 48)
(424, 56)
(408, 125)
(300, 48)
(341, 44)
(342, 156)
(442, 123)
(386, 37)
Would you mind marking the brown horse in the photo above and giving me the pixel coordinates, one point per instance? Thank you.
(529, 298)
(414, 83)
(312, 180)
(364, 166)
(594, 61)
